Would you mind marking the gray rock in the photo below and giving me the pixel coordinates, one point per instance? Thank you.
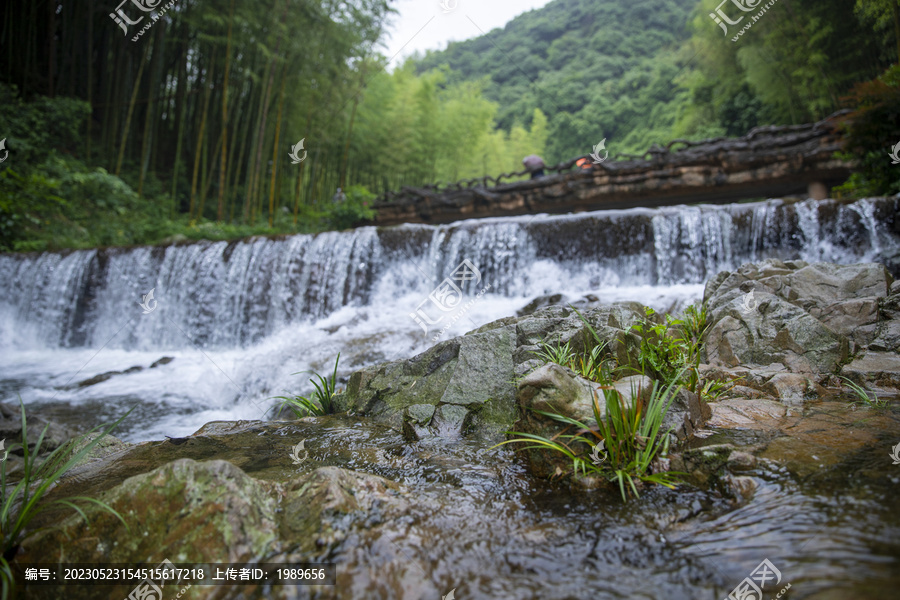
(541, 302)
(11, 429)
(880, 368)
(793, 388)
(477, 373)
(805, 317)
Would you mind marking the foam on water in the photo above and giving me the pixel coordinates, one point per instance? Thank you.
(240, 318)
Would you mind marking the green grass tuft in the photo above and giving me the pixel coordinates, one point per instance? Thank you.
(22, 502)
(321, 402)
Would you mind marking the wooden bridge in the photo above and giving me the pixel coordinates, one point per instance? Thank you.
(768, 162)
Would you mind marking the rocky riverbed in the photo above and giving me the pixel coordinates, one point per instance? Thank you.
(405, 493)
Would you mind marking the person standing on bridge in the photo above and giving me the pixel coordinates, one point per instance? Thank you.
(534, 164)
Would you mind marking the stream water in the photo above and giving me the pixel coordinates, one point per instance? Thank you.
(240, 318)
(823, 514)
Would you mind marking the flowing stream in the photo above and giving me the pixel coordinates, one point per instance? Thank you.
(240, 318)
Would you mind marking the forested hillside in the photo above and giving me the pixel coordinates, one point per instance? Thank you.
(643, 72)
(220, 118)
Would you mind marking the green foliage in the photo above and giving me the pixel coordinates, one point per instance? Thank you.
(592, 363)
(321, 402)
(352, 211)
(422, 129)
(663, 353)
(22, 502)
(872, 131)
(33, 128)
(561, 354)
(596, 68)
(864, 396)
(630, 436)
(26, 201)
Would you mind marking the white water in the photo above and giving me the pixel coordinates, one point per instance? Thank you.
(240, 318)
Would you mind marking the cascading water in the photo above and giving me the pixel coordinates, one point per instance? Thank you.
(240, 317)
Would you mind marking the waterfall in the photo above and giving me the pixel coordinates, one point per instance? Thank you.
(221, 294)
(242, 318)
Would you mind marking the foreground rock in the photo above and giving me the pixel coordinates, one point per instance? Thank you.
(180, 507)
(467, 384)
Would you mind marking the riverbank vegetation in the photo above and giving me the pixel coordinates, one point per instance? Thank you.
(231, 118)
(24, 490)
(628, 433)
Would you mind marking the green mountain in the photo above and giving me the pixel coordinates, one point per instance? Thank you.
(638, 72)
(597, 68)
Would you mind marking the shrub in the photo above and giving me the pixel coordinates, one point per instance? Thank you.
(352, 211)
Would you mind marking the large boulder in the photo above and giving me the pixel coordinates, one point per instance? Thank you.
(468, 384)
(188, 511)
(808, 318)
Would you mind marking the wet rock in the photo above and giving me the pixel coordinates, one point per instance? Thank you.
(740, 488)
(320, 510)
(687, 413)
(702, 465)
(107, 446)
(109, 374)
(541, 302)
(805, 317)
(163, 361)
(741, 461)
(11, 429)
(794, 388)
(880, 368)
(477, 372)
(416, 419)
(212, 511)
(743, 412)
(185, 511)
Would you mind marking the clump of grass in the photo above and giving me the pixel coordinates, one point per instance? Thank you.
(590, 364)
(863, 395)
(631, 436)
(561, 354)
(320, 402)
(20, 504)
